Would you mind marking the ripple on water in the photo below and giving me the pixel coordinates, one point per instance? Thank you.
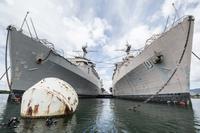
(113, 116)
(196, 110)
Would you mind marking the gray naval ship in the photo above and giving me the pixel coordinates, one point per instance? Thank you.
(160, 72)
(33, 59)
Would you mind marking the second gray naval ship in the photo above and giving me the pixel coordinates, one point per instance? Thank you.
(161, 71)
(33, 59)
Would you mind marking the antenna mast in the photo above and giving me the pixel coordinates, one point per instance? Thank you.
(128, 48)
(24, 21)
(34, 28)
(166, 24)
(176, 13)
(84, 48)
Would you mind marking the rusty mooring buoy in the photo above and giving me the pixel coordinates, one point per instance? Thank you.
(49, 97)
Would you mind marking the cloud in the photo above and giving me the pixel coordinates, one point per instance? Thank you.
(55, 21)
(104, 25)
(138, 33)
(188, 7)
(136, 37)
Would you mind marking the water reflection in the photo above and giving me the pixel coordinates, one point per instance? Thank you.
(154, 118)
(38, 126)
(3, 103)
(105, 119)
(78, 122)
(196, 110)
(111, 115)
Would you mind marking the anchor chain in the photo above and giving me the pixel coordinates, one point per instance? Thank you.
(179, 62)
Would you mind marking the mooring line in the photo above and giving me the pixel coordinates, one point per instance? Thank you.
(196, 55)
(5, 73)
(6, 65)
(179, 62)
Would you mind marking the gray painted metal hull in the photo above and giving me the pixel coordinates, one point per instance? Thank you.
(140, 77)
(25, 72)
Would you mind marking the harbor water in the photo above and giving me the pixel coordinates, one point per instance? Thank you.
(110, 116)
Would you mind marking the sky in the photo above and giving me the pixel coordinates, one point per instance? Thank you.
(105, 25)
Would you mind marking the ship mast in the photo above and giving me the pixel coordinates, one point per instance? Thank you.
(84, 49)
(128, 48)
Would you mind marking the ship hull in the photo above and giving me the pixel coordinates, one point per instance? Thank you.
(166, 81)
(174, 98)
(32, 61)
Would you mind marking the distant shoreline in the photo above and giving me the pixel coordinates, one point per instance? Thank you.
(195, 97)
(4, 92)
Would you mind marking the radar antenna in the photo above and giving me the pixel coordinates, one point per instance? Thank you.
(84, 49)
(128, 48)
